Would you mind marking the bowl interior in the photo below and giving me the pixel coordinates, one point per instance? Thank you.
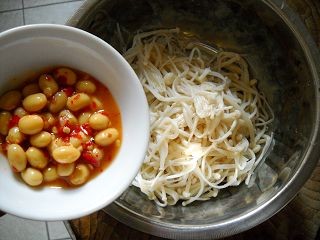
(276, 59)
(27, 50)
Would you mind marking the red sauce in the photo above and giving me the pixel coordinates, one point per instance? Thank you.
(110, 109)
(14, 121)
(68, 90)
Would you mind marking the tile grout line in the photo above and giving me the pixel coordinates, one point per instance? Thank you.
(10, 10)
(50, 4)
(69, 230)
(47, 229)
(61, 239)
(23, 17)
(44, 5)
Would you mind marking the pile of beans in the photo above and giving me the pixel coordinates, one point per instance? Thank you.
(56, 128)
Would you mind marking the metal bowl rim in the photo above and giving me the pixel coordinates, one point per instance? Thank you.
(270, 207)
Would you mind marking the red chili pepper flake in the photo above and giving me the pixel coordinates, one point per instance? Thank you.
(87, 145)
(76, 129)
(68, 91)
(66, 139)
(61, 134)
(13, 121)
(75, 134)
(88, 158)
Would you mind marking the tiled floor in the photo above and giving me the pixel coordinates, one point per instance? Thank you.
(14, 13)
(19, 12)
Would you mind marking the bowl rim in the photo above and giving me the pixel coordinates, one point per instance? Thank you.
(270, 207)
(58, 32)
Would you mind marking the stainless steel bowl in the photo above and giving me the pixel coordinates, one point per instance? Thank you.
(281, 55)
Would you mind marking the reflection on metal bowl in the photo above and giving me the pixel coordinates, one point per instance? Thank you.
(281, 54)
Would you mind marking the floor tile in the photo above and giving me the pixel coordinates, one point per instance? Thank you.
(34, 3)
(13, 228)
(10, 5)
(10, 19)
(57, 230)
(57, 13)
(69, 229)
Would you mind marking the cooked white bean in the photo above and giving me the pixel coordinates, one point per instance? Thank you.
(66, 154)
(48, 85)
(78, 101)
(58, 102)
(80, 175)
(20, 112)
(41, 139)
(36, 157)
(54, 130)
(97, 153)
(98, 121)
(31, 88)
(55, 143)
(65, 170)
(76, 142)
(96, 104)
(65, 76)
(80, 148)
(66, 116)
(106, 137)
(50, 174)
(86, 86)
(5, 118)
(32, 177)
(84, 137)
(10, 100)
(15, 136)
(84, 117)
(17, 157)
(49, 120)
(31, 124)
(35, 102)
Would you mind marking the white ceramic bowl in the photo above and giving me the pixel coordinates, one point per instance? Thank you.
(28, 49)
